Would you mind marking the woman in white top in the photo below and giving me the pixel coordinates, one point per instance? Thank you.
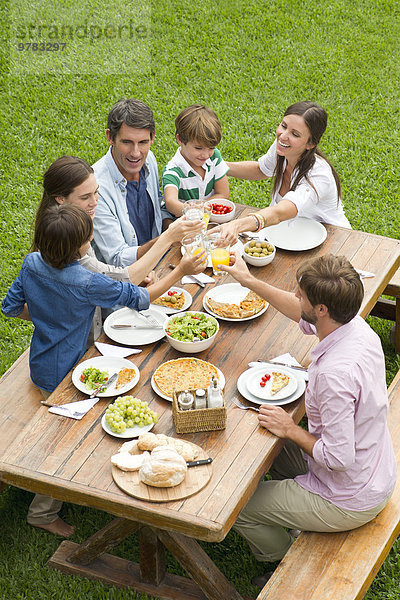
(305, 183)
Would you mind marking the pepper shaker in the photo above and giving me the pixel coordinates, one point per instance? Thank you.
(200, 399)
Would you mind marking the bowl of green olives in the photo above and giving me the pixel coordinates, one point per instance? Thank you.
(259, 253)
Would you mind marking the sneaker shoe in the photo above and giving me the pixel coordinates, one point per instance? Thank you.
(294, 533)
(260, 580)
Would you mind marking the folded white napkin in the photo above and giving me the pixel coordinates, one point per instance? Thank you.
(74, 410)
(201, 277)
(365, 274)
(287, 359)
(111, 350)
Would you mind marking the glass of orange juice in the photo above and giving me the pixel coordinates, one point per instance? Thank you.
(194, 243)
(219, 251)
(207, 214)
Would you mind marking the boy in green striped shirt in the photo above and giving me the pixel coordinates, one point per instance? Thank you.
(197, 171)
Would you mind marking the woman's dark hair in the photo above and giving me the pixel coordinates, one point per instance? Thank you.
(60, 179)
(59, 233)
(316, 119)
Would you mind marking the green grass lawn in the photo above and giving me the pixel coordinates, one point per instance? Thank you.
(248, 61)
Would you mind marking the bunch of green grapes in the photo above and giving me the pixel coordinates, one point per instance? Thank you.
(127, 412)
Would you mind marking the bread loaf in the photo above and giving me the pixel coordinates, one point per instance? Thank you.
(163, 468)
(148, 441)
(129, 462)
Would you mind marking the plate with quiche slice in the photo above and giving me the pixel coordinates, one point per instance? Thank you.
(173, 301)
(251, 379)
(128, 375)
(233, 302)
(271, 384)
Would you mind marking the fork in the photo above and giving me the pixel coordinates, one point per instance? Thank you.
(244, 406)
(150, 319)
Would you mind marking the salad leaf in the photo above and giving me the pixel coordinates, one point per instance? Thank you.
(189, 326)
(93, 377)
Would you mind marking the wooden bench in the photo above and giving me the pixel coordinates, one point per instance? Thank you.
(19, 400)
(390, 309)
(341, 566)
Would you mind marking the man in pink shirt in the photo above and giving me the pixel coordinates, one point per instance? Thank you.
(340, 473)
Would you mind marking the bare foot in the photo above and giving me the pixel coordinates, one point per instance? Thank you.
(58, 527)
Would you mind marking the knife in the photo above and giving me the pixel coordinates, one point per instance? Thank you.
(104, 385)
(304, 369)
(133, 326)
(195, 463)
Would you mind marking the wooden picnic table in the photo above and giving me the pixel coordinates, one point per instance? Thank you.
(70, 459)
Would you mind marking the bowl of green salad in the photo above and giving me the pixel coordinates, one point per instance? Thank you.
(191, 331)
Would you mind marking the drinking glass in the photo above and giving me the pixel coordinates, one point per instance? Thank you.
(194, 243)
(194, 210)
(219, 251)
(207, 214)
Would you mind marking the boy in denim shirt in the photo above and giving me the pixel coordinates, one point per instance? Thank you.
(60, 296)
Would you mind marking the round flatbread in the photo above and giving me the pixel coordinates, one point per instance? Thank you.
(183, 374)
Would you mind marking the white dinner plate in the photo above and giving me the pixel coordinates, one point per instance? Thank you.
(230, 293)
(157, 390)
(170, 310)
(242, 387)
(238, 246)
(134, 337)
(130, 432)
(112, 364)
(297, 234)
(264, 393)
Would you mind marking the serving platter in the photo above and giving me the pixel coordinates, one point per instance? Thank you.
(229, 293)
(221, 380)
(298, 234)
(112, 364)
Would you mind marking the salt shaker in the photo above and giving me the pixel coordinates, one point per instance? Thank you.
(214, 395)
(200, 399)
(185, 400)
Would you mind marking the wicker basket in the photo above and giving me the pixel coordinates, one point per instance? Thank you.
(200, 419)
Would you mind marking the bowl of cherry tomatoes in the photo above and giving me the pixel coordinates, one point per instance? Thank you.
(222, 210)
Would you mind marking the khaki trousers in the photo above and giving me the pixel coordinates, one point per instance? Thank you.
(43, 510)
(282, 503)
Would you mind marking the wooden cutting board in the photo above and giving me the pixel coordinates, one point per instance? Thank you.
(196, 478)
